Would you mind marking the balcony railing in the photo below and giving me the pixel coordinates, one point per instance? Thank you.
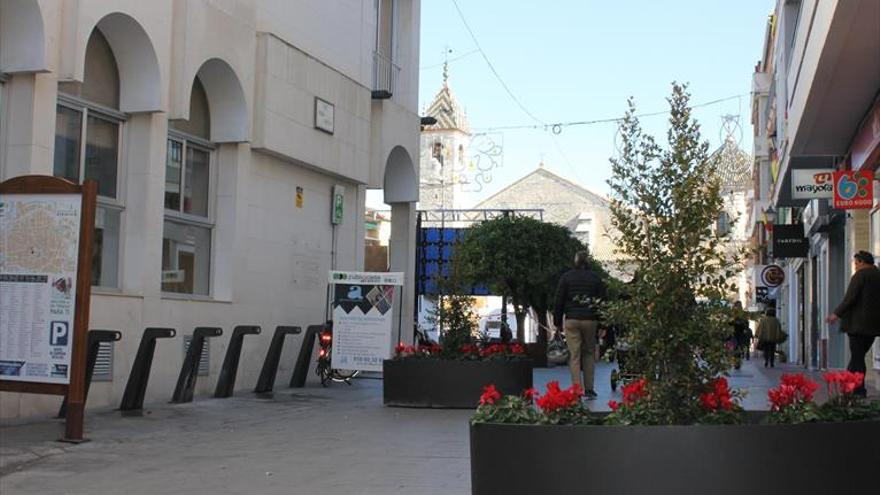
(385, 76)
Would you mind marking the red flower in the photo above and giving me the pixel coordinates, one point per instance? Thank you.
(843, 382)
(530, 394)
(556, 398)
(402, 349)
(719, 397)
(468, 349)
(430, 349)
(634, 391)
(490, 395)
(517, 348)
(493, 349)
(793, 389)
(399, 348)
(613, 404)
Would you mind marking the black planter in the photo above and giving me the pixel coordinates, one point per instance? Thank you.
(734, 459)
(537, 352)
(450, 384)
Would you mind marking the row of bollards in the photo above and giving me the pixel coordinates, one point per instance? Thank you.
(136, 387)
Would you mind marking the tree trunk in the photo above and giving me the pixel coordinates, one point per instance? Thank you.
(543, 325)
(520, 323)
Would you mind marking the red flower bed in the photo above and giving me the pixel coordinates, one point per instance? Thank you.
(466, 351)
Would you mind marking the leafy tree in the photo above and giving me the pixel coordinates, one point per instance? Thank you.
(665, 202)
(454, 315)
(518, 257)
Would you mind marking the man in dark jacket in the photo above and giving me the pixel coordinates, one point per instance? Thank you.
(859, 312)
(577, 296)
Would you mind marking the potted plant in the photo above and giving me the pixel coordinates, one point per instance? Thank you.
(679, 428)
(451, 374)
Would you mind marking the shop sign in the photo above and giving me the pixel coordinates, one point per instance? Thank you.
(853, 189)
(762, 295)
(789, 242)
(812, 184)
(771, 275)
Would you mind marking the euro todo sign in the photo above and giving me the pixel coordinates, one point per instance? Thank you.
(853, 189)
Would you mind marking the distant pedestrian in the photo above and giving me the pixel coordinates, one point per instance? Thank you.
(577, 298)
(742, 334)
(859, 312)
(769, 334)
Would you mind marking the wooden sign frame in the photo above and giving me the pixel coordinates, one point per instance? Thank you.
(75, 390)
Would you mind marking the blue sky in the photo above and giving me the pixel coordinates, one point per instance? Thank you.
(571, 60)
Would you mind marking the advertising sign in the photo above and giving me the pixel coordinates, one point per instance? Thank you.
(39, 252)
(362, 318)
(812, 184)
(789, 242)
(771, 275)
(853, 189)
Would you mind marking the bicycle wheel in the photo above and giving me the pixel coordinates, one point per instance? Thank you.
(344, 375)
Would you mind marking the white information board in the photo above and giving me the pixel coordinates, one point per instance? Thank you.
(39, 250)
(362, 318)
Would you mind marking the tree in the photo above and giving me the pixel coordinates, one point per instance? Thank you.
(664, 206)
(520, 258)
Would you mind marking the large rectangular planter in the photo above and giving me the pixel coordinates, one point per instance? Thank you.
(537, 352)
(450, 384)
(732, 459)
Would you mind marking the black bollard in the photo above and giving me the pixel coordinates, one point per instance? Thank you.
(189, 371)
(226, 381)
(273, 357)
(95, 337)
(136, 387)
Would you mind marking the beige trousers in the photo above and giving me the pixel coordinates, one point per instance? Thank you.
(580, 336)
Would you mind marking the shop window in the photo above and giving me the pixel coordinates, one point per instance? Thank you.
(87, 136)
(188, 227)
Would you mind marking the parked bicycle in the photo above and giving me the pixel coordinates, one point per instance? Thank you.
(324, 368)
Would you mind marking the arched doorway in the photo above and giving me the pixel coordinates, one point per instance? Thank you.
(401, 192)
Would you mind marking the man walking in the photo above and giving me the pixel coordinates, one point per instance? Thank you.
(577, 296)
(859, 312)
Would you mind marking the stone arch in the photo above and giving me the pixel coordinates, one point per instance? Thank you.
(140, 79)
(401, 184)
(226, 102)
(22, 37)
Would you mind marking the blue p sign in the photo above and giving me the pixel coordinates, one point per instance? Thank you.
(58, 333)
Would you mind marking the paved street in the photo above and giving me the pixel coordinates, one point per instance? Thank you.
(339, 440)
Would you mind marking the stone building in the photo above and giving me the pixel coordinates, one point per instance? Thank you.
(586, 213)
(218, 131)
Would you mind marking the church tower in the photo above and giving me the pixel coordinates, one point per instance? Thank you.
(444, 153)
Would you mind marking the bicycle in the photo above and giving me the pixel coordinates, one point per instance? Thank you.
(324, 368)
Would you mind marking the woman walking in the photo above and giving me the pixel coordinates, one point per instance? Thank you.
(769, 334)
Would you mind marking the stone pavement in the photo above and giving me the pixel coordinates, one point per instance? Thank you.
(339, 440)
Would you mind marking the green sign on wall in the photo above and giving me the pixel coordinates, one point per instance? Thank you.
(338, 212)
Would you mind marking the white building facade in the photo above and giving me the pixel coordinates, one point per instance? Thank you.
(217, 131)
(816, 107)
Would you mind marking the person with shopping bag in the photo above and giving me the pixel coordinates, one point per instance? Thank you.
(769, 334)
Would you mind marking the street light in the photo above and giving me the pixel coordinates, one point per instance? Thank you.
(770, 213)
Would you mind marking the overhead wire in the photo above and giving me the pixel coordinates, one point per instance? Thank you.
(492, 66)
(453, 59)
(556, 128)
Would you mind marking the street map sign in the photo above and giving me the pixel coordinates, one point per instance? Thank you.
(39, 251)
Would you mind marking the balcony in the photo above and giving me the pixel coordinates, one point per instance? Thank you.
(385, 76)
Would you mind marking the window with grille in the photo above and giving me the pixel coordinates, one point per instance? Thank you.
(204, 361)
